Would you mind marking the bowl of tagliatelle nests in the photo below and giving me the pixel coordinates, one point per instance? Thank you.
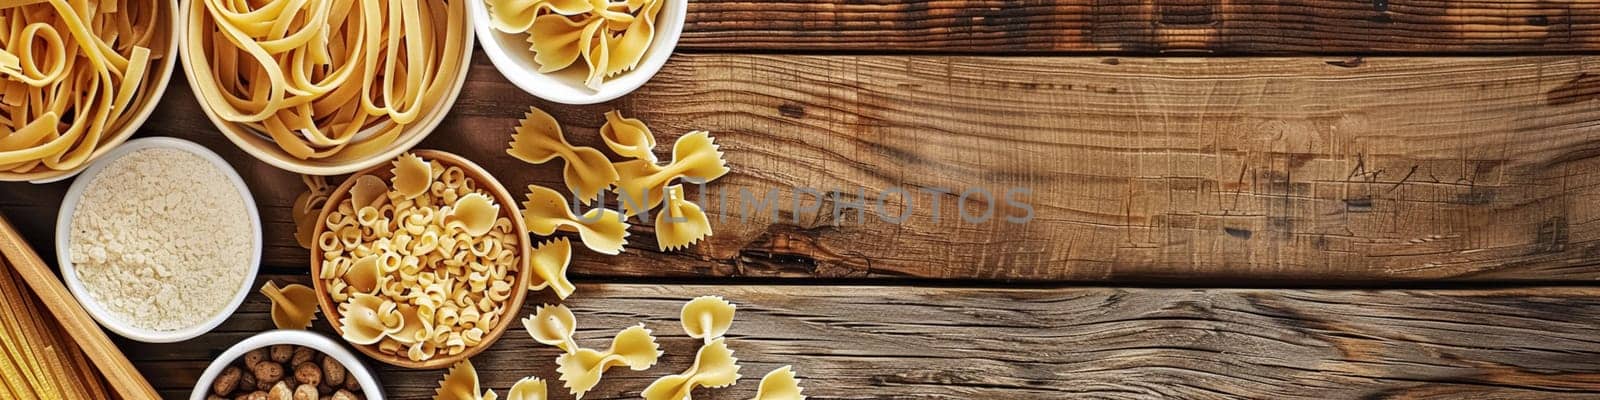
(325, 87)
(420, 262)
(71, 89)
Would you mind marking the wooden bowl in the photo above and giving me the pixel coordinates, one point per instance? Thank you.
(508, 208)
(154, 86)
(263, 148)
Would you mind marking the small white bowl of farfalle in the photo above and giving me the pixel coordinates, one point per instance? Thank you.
(578, 51)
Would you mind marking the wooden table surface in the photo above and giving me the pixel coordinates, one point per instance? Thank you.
(1249, 198)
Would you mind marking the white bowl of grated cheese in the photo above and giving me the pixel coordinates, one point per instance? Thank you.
(159, 240)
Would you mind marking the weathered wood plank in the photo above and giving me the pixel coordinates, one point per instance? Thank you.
(1217, 170)
(1147, 26)
(862, 342)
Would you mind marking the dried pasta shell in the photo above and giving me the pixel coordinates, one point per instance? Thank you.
(538, 140)
(714, 367)
(707, 317)
(365, 275)
(695, 158)
(529, 388)
(779, 384)
(307, 207)
(601, 230)
(474, 213)
(554, 326)
(628, 137)
(549, 262)
(680, 222)
(362, 319)
(411, 175)
(293, 306)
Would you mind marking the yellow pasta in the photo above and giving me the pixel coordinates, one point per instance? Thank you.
(600, 229)
(707, 317)
(611, 37)
(293, 306)
(461, 383)
(306, 208)
(549, 262)
(680, 222)
(438, 252)
(779, 384)
(74, 73)
(529, 388)
(628, 137)
(329, 80)
(714, 367)
(695, 158)
(554, 326)
(538, 140)
(581, 370)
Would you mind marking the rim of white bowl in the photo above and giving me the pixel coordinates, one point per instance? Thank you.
(356, 369)
(546, 86)
(154, 101)
(69, 274)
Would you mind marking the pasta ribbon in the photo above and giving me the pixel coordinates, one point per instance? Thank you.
(461, 383)
(695, 158)
(327, 80)
(707, 317)
(554, 326)
(680, 223)
(633, 347)
(714, 367)
(779, 384)
(538, 140)
(293, 306)
(549, 262)
(73, 73)
(600, 229)
(529, 388)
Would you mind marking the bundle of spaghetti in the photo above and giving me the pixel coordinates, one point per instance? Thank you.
(332, 80)
(37, 360)
(71, 71)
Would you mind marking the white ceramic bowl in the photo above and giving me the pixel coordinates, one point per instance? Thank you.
(369, 383)
(70, 274)
(510, 54)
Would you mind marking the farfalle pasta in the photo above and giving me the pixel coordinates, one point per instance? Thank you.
(610, 37)
(628, 137)
(707, 317)
(714, 367)
(529, 388)
(581, 370)
(680, 223)
(74, 72)
(323, 79)
(780, 384)
(642, 184)
(538, 140)
(549, 262)
(293, 306)
(461, 383)
(307, 206)
(422, 264)
(600, 229)
(553, 326)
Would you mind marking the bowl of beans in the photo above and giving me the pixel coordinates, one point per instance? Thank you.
(287, 364)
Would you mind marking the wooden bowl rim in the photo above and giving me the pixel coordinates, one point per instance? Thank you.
(268, 151)
(520, 288)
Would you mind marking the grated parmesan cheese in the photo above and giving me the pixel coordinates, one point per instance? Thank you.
(162, 239)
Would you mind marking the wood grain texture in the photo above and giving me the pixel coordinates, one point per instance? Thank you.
(1201, 170)
(860, 342)
(1147, 26)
